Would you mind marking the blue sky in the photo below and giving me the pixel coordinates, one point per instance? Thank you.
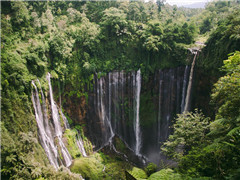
(184, 2)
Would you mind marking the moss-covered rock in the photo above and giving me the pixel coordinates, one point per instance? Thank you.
(150, 169)
(89, 167)
(138, 173)
(102, 166)
(166, 174)
(120, 146)
(87, 145)
(71, 144)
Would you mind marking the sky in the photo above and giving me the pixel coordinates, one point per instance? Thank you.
(184, 2)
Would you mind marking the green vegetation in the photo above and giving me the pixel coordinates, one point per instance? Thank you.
(74, 40)
(89, 167)
(211, 150)
(227, 33)
(189, 131)
(22, 157)
(73, 149)
(100, 166)
(71, 143)
(151, 168)
(166, 174)
(138, 173)
(120, 146)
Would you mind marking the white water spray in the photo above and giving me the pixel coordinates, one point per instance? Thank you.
(57, 126)
(187, 101)
(137, 122)
(184, 88)
(105, 118)
(45, 135)
(81, 146)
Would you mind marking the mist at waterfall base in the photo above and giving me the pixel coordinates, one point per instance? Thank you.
(138, 112)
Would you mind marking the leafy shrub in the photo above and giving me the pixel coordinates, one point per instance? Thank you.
(190, 131)
(22, 157)
(72, 147)
(151, 168)
(138, 173)
(89, 167)
(166, 174)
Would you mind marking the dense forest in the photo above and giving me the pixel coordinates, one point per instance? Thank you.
(121, 73)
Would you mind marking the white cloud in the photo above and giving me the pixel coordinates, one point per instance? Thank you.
(184, 2)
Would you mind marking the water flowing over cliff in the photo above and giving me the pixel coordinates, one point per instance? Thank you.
(120, 103)
(139, 112)
(50, 131)
(137, 130)
(187, 101)
(57, 126)
(45, 134)
(115, 98)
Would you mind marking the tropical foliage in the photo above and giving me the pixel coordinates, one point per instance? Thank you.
(75, 39)
(211, 150)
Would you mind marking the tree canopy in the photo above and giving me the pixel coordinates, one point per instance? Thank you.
(73, 40)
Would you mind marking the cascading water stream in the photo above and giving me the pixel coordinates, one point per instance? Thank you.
(107, 119)
(184, 88)
(81, 146)
(47, 131)
(110, 106)
(65, 121)
(104, 116)
(159, 111)
(45, 135)
(114, 98)
(109, 102)
(45, 118)
(55, 115)
(136, 121)
(57, 126)
(187, 100)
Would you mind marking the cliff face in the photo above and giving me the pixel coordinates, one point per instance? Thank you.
(76, 108)
(112, 108)
(202, 89)
(143, 121)
(163, 96)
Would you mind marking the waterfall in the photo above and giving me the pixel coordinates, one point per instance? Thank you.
(114, 107)
(136, 122)
(45, 135)
(81, 146)
(57, 126)
(45, 121)
(105, 117)
(187, 100)
(114, 98)
(159, 110)
(65, 121)
(109, 100)
(47, 131)
(115, 95)
(55, 115)
(66, 156)
(184, 88)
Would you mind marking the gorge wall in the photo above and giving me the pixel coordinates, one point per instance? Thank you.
(139, 111)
